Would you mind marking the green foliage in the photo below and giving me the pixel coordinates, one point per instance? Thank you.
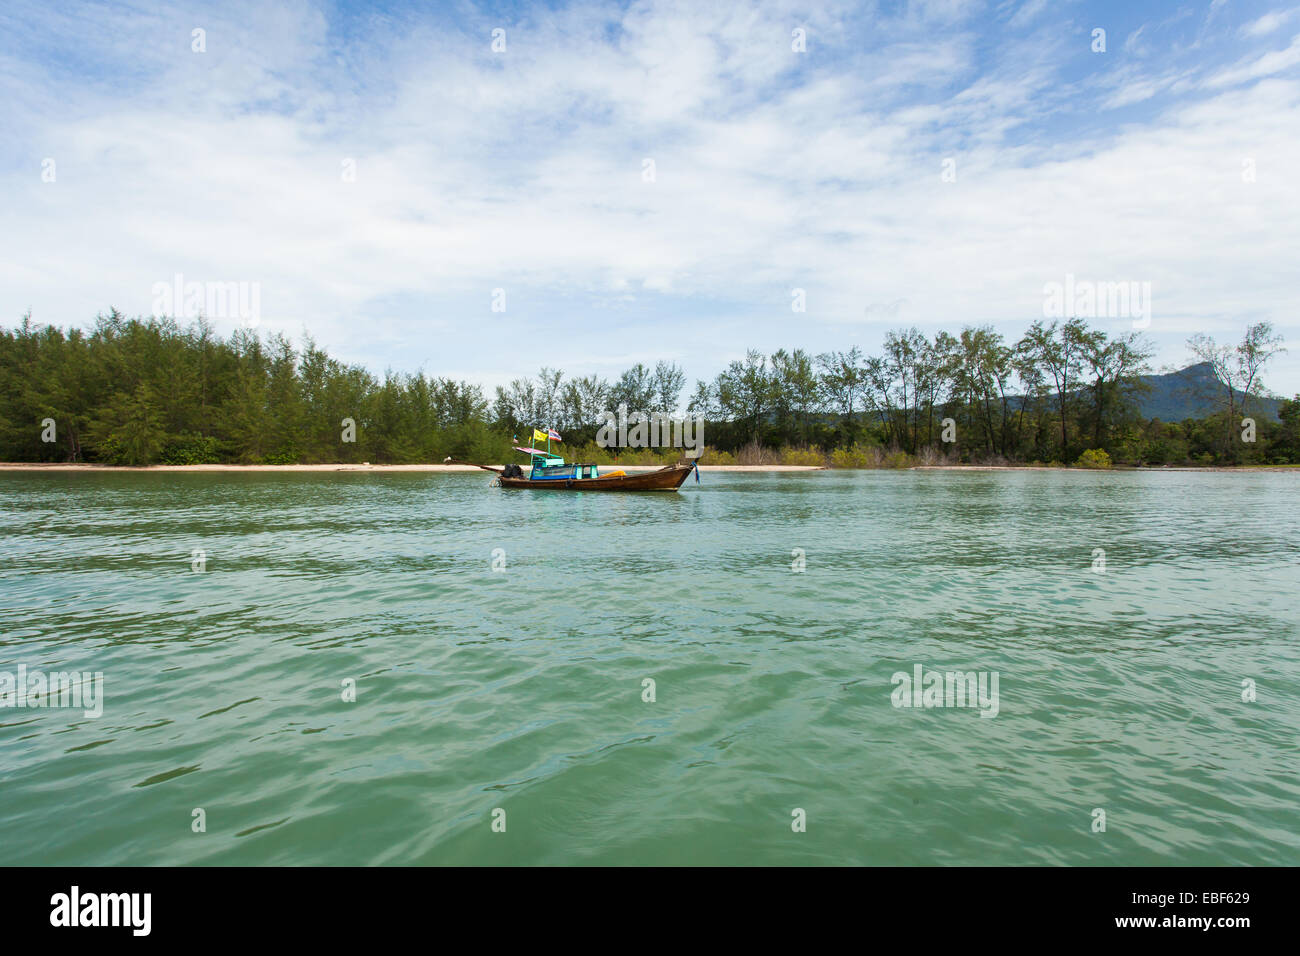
(856, 456)
(801, 456)
(142, 391)
(129, 431)
(717, 456)
(1093, 458)
(190, 449)
(146, 391)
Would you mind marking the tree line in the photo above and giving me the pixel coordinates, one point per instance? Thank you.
(148, 390)
(1058, 391)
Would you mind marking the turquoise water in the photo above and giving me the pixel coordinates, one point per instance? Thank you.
(522, 689)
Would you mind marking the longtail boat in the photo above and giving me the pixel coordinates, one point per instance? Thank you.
(551, 473)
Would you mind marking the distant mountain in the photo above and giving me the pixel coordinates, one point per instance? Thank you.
(1193, 392)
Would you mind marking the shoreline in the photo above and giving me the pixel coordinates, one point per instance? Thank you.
(74, 467)
(77, 467)
(1118, 469)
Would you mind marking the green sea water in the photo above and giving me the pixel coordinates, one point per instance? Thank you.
(524, 689)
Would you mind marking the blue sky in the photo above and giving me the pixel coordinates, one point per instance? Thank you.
(774, 170)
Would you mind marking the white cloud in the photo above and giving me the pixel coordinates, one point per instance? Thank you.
(523, 171)
(1255, 67)
(1268, 23)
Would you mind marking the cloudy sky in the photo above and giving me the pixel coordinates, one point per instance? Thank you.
(652, 180)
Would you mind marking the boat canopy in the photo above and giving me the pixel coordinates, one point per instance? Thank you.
(556, 469)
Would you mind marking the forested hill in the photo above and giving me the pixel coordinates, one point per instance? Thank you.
(1193, 392)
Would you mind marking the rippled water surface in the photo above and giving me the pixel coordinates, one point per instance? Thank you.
(522, 689)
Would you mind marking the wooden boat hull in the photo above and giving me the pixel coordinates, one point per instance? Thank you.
(669, 478)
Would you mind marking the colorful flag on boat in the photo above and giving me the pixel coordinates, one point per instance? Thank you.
(553, 435)
(539, 435)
